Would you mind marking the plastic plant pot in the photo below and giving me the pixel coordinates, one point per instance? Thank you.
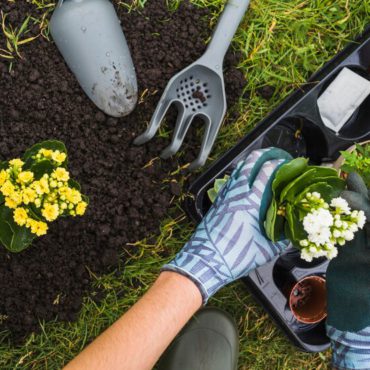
(307, 300)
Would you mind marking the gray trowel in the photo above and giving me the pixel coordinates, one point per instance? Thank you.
(89, 36)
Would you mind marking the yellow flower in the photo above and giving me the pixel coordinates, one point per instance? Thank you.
(3, 177)
(25, 177)
(58, 156)
(29, 195)
(16, 162)
(7, 188)
(41, 186)
(16, 196)
(50, 211)
(37, 227)
(20, 216)
(61, 174)
(81, 208)
(74, 196)
(47, 153)
(10, 203)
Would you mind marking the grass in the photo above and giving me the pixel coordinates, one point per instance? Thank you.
(283, 43)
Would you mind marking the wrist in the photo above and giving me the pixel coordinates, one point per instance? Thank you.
(206, 278)
(180, 287)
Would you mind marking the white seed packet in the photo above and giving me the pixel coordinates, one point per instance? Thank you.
(341, 98)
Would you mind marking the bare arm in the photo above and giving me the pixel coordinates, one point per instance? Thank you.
(141, 335)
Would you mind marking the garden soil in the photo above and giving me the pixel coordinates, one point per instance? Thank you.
(40, 100)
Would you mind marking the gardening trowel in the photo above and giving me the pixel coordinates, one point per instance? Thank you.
(89, 36)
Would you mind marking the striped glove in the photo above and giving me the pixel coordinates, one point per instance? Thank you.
(350, 350)
(228, 243)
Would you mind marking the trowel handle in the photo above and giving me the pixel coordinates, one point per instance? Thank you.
(224, 32)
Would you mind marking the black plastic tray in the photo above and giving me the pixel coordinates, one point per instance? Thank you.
(298, 113)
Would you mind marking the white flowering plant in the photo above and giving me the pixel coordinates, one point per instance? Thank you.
(307, 209)
(34, 191)
(327, 225)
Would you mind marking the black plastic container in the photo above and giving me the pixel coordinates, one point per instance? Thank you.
(295, 126)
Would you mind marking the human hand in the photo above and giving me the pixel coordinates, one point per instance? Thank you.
(228, 243)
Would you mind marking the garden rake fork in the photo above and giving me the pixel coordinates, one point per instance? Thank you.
(199, 90)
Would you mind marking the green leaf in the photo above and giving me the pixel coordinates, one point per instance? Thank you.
(74, 184)
(4, 165)
(22, 238)
(347, 168)
(212, 195)
(35, 213)
(85, 199)
(314, 174)
(287, 173)
(274, 223)
(40, 168)
(360, 149)
(49, 144)
(15, 238)
(218, 184)
(295, 225)
(6, 233)
(321, 187)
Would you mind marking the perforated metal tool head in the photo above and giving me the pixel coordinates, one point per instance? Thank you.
(199, 91)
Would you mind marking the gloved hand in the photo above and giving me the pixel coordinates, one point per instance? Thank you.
(348, 287)
(228, 243)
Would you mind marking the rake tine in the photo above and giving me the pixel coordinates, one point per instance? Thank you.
(207, 143)
(155, 122)
(182, 127)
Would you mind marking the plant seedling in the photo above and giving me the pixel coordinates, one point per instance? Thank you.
(358, 161)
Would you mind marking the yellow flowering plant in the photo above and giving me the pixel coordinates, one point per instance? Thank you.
(34, 191)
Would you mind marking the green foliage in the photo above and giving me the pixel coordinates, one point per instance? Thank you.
(48, 144)
(34, 191)
(358, 161)
(219, 183)
(357, 194)
(290, 186)
(14, 237)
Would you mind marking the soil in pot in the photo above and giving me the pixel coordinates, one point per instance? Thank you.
(40, 99)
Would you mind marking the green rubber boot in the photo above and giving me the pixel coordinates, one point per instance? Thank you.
(208, 342)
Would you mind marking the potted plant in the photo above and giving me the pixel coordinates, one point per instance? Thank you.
(35, 190)
(307, 209)
(355, 159)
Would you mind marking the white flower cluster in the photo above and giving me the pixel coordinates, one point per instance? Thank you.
(327, 225)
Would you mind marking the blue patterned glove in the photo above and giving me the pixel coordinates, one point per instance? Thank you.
(228, 243)
(350, 350)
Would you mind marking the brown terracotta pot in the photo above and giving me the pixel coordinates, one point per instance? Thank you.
(307, 300)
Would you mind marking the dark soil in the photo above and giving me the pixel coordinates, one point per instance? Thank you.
(266, 92)
(40, 99)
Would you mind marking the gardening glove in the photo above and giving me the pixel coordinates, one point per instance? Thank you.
(228, 243)
(348, 287)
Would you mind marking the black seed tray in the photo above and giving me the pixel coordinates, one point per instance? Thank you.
(295, 126)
